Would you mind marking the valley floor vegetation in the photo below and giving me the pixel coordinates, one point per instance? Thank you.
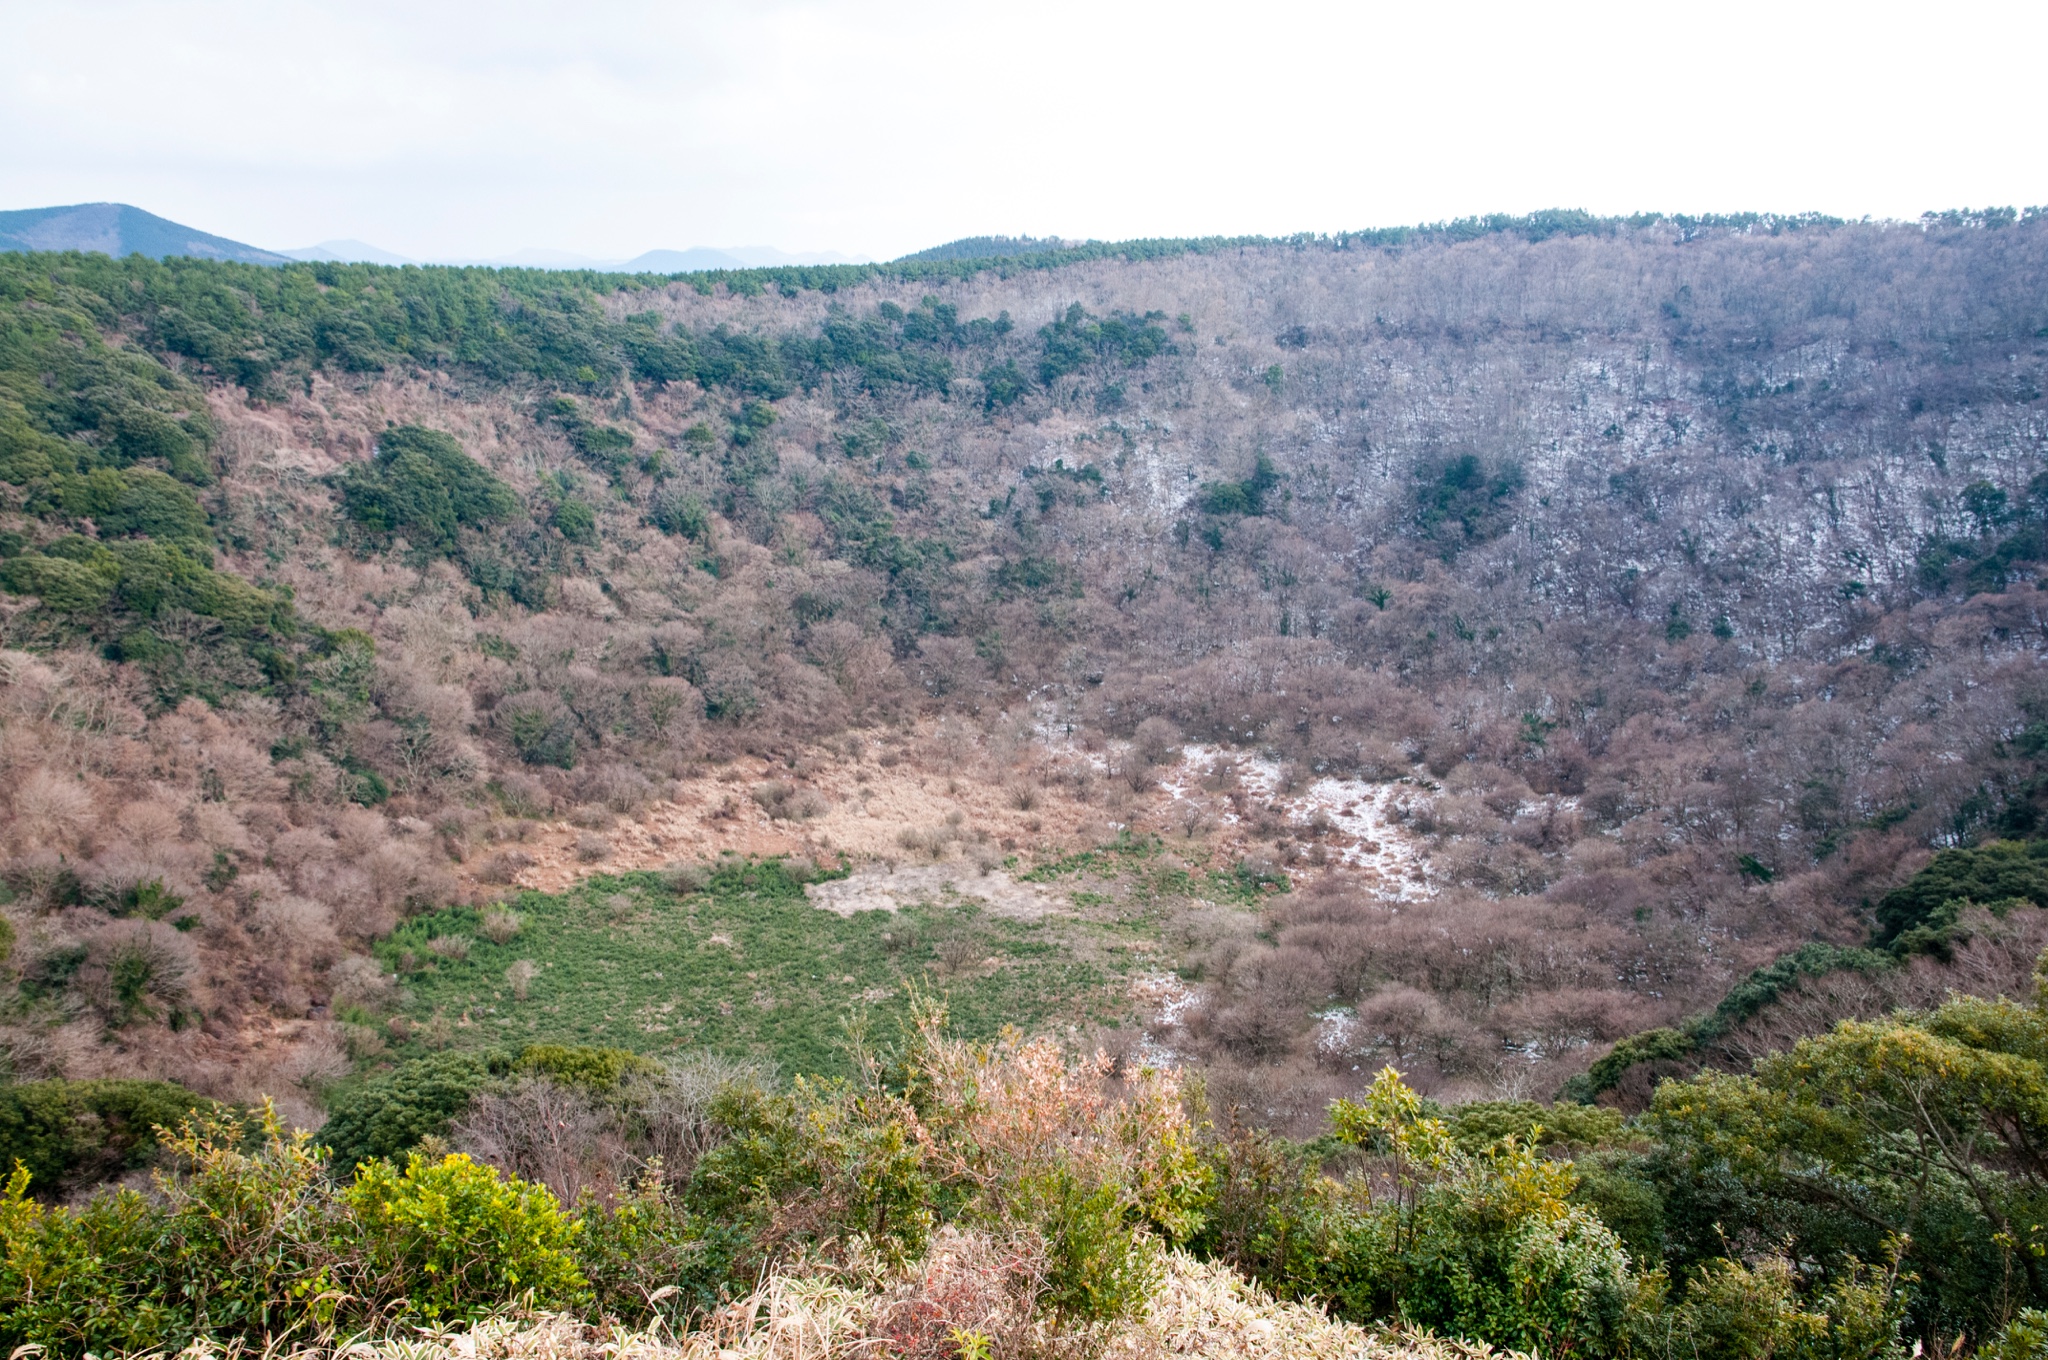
(1668, 591)
(733, 959)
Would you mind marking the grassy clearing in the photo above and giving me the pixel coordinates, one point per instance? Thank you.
(745, 966)
(1149, 874)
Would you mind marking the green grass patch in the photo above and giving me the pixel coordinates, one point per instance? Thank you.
(1151, 874)
(747, 966)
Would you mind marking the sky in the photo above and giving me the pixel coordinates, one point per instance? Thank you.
(877, 127)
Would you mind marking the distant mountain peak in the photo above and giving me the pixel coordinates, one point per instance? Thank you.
(348, 250)
(689, 261)
(118, 229)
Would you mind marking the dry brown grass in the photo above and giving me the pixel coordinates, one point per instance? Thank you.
(1199, 1310)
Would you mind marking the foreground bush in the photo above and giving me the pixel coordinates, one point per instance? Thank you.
(1082, 1183)
(262, 1245)
(1733, 1311)
(234, 1244)
(1484, 1244)
(456, 1239)
(71, 1134)
(956, 1199)
(1010, 1139)
(1918, 1135)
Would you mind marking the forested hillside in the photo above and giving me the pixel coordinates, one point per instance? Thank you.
(1542, 654)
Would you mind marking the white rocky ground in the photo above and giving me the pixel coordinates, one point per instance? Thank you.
(887, 887)
(1351, 817)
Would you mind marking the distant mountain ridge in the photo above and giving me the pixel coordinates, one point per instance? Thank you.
(117, 229)
(120, 229)
(730, 257)
(348, 251)
(990, 248)
(682, 261)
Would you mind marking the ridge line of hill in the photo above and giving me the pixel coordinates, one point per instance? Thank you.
(1007, 256)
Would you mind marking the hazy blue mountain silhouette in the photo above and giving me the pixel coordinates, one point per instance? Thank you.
(683, 261)
(348, 250)
(117, 229)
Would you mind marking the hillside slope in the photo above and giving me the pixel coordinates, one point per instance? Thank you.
(1684, 571)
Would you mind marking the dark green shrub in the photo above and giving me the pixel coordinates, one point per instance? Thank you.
(254, 1245)
(388, 1114)
(655, 357)
(1485, 1245)
(153, 575)
(26, 452)
(50, 971)
(608, 446)
(352, 343)
(140, 433)
(1254, 876)
(1077, 339)
(1652, 1045)
(422, 485)
(2024, 1338)
(75, 575)
(127, 501)
(70, 1134)
(852, 1156)
(146, 502)
(680, 512)
(1759, 989)
(225, 1248)
(576, 521)
(1464, 500)
(1002, 385)
(1265, 1195)
(137, 972)
(85, 1281)
(1787, 1151)
(63, 586)
(1733, 1310)
(150, 900)
(241, 607)
(541, 728)
(1247, 497)
(159, 575)
(1477, 1262)
(1621, 1190)
(1997, 871)
(646, 1257)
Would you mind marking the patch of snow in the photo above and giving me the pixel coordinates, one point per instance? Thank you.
(1357, 816)
(1338, 1035)
(1167, 999)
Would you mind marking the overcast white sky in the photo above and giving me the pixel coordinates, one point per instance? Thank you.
(880, 126)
